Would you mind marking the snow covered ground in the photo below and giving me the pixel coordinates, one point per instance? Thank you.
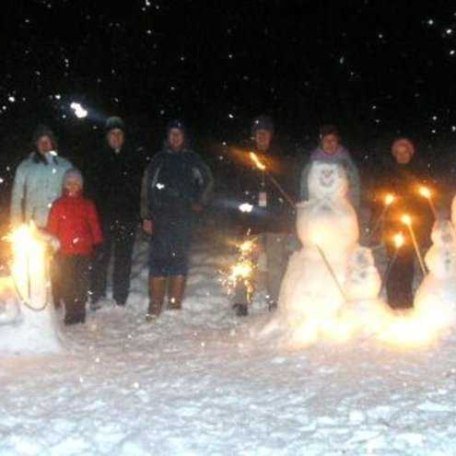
(198, 382)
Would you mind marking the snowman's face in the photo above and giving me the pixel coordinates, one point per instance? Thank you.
(327, 179)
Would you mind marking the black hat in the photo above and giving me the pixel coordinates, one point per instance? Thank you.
(263, 122)
(43, 130)
(114, 123)
(176, 123)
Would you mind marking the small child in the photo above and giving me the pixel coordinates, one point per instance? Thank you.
(73, 220)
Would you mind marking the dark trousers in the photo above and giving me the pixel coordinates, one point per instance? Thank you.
(399, 283)
(74, 286)
(119, 239)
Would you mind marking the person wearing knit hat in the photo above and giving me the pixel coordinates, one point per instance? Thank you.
(402, 179)
(176, 186)
(38, 180)
(272, 217)
(113, 178)
(73, 220)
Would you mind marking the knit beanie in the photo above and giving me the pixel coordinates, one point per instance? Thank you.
(73, 173)
(43, 130)
(262, 122)
(114, 123)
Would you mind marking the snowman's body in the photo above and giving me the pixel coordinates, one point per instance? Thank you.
(327, 226)
(436, 296)
(27, 318)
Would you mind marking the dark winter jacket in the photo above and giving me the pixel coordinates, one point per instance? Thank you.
(114, 182)
(342, 157)
(404, 181)
(73, 220)
(271, 211)
(173, 183)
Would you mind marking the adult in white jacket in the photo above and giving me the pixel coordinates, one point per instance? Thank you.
(38, 180)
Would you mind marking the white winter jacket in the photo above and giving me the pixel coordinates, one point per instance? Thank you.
(37, 184)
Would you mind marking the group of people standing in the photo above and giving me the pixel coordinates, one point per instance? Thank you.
(166, 196)
(101, 226)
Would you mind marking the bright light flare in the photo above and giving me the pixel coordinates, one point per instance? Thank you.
(29, 264)
(246, 208)
(425, 192)
(399, 240)
(406, 220)
(389, 199)
(258, 163)
(79, 111)
(247, 247)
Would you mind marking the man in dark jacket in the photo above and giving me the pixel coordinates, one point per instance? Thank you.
(114, 183)
(271, 216)
(403, 179)
(176, 186)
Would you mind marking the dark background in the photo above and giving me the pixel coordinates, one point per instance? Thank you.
(375, 68)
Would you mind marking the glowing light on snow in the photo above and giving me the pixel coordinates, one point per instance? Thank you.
(78, 109)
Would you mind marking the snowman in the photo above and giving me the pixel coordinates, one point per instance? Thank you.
(331, 274)
(435, 299)
(27, 318)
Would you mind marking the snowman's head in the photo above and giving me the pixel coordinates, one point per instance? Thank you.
(327, 180)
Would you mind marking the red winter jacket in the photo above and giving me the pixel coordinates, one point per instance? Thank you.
(74, 221)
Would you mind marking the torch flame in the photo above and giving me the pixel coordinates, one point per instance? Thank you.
(389, 199)
(425, 192)
(258, 163)
(406, 220)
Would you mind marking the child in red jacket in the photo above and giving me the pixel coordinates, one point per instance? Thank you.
(73, 220)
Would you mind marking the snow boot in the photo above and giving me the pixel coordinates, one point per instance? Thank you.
(176, 289)
(157, 289)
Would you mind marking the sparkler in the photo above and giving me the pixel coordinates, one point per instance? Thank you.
(388, 200)
(407, 221)
(262, 167)
(425, 192)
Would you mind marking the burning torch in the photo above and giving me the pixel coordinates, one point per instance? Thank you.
(407, 221)
(399, 241)
(262, 167)
(388, 200)
(426, 193)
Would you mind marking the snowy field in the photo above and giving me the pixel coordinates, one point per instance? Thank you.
(199, 382)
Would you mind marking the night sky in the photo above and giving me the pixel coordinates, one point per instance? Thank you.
(375, 68)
